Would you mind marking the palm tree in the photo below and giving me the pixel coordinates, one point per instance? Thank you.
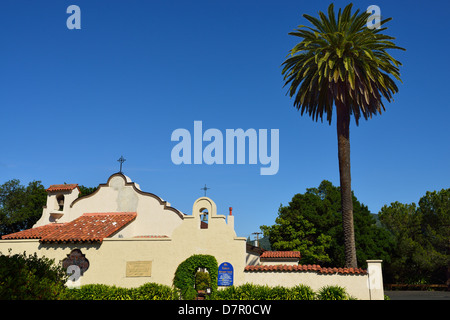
(342, 62)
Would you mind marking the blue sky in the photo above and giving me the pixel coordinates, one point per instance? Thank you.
(74, 101)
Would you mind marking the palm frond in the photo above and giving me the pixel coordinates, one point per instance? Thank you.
(340, 59)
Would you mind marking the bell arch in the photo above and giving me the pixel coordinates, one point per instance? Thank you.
(204, 204)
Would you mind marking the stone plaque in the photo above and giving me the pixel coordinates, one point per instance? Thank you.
(139, 268)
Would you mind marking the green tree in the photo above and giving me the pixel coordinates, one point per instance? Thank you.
(312, 224)
(20, 206)
(294, 230)
(421, 233)
(84, 191)
(434, 208)
(341, 62)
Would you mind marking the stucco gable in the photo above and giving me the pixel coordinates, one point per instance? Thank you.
(155, 216)
(123, 183)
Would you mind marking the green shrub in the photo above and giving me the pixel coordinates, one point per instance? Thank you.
(247, 291)
(278, 293)
(229, 293)
(302, 292)
(148, 291)
(202, 280)
(25, 277)
(332, 293)
(250, 291)
(154, 291)
(95, 292)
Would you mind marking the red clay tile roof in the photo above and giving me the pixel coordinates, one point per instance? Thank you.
(93, 227)
(303, 268)
(34, 233)
(62, 187)
(280, 254)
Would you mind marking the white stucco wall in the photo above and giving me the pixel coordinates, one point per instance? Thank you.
(355, 285)
(360, 286)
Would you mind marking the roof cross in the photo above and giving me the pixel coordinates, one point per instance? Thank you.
(121, 160)
(204, 189)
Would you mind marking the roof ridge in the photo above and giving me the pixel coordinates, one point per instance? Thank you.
(88, 214)
(280, 254)
(304, 268)
(62, 187)
(33, 233)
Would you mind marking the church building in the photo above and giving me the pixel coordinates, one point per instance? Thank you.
(120, 235)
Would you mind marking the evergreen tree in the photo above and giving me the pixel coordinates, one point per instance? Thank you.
(312, 224)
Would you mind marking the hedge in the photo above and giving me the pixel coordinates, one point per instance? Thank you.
(250, 291)
(148, 291)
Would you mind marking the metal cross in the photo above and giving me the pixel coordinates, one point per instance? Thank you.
(205, 188)
(121, 160)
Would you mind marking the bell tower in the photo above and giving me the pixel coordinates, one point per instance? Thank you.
(59, 198)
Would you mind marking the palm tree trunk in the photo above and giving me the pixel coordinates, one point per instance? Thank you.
(343, 132)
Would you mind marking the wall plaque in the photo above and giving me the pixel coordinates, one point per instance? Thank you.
(139, 269)
(225, 275)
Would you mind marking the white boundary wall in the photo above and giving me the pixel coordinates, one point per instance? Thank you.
(360, 286)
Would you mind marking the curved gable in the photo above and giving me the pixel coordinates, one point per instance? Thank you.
(127, 196)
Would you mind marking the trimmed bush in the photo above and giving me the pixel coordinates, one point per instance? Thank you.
(250, 291)
(148, 291)
(154, 291)
(247, 291)
(97, 292)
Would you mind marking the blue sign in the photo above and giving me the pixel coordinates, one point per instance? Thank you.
(225, 275)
